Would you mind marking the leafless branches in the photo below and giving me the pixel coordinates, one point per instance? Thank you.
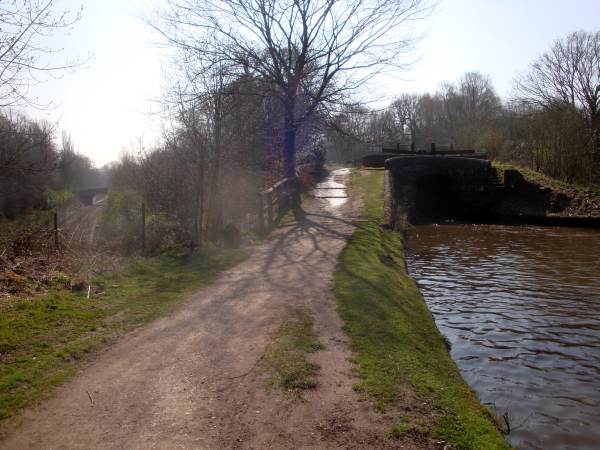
(406, 108)
(568, 74)
(313, 52)
(565, 81)
(26, 28)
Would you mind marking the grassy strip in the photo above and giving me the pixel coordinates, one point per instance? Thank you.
(395, 341)
(43, 339)
(552, 183)
(286, 357)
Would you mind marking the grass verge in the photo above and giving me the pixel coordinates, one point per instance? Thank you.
(286, 357)
(394, 338)
(43, 339)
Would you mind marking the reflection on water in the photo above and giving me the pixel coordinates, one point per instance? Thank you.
(521, 308)
(331, 190)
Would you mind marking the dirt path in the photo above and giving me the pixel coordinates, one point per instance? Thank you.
(190, 381)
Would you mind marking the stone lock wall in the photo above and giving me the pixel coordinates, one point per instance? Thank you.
(469, 180)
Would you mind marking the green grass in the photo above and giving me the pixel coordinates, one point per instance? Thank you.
(396, 343)
(286, 357)
(43, 339)
(402, 429)
(552, 183)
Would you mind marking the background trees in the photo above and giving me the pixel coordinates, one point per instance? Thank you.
(562, 94)
(27, 158)
(32, 166)
(461, 113)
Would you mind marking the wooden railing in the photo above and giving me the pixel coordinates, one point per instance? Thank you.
(275, 201)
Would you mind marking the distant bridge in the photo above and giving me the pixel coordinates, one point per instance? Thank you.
(86, 196)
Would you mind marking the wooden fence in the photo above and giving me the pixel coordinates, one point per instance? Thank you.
(275, 201)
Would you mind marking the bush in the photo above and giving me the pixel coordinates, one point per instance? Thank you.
(58, 197)
(121, 223)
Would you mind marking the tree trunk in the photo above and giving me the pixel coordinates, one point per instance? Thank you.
(289, 141)
(215, 207)
(199, 216)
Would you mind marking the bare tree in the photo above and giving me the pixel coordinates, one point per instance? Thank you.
(568, 74)
(26, 27)
(407, 111)
(478, 95)
(312, 54)
(479, 106)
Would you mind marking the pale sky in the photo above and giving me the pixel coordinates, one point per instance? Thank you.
(109, 105)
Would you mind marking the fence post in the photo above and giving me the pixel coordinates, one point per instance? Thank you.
(280, 200)
(55, 217)
(269, 208)
(292, 185)
(143, 228)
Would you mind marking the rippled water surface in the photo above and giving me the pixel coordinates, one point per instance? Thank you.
(521, 308)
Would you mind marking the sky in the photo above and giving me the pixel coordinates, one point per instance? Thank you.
(110, 105)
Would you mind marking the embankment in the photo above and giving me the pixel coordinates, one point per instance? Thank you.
(402, 359)
(535, 197)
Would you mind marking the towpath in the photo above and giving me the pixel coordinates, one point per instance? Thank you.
(191, 380)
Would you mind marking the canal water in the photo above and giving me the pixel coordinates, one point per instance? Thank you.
(521, 308)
